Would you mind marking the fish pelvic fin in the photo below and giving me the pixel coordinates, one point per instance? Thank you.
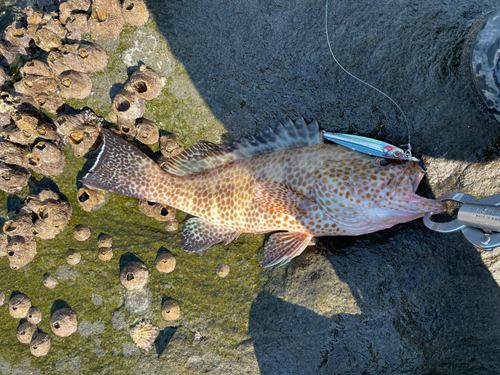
(121, 168)
(283, 247)
(279, 197)
(198, 234)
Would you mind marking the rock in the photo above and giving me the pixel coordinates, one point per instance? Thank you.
(182, 352)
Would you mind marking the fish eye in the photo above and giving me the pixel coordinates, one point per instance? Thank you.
(397, 154)
(381, 162)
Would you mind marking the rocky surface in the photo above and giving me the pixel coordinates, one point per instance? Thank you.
(405, 300)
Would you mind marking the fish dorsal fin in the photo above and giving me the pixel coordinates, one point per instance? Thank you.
(203, 155)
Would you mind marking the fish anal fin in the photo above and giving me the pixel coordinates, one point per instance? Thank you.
(199, 235)
(283, 246)
(279, 197)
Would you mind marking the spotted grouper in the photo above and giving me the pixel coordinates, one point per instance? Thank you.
(284, 179)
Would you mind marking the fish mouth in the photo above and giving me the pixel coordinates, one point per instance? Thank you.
(418, 177)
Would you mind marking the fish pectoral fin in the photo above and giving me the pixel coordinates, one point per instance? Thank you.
(198, 234)
(279, 197)
(282, 247)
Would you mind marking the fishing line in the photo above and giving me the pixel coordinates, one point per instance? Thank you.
(407, 152)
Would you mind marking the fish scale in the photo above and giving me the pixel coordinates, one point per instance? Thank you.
(288, 181)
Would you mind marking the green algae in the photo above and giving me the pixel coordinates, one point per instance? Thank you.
(217, 308)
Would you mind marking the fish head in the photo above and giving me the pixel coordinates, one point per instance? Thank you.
(370, 193)
(387, 191)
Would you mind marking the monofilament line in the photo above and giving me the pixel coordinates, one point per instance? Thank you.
(408, 152)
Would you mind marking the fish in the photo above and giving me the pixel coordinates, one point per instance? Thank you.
(285, 179)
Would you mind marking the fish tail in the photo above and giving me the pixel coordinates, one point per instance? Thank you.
(121, 168)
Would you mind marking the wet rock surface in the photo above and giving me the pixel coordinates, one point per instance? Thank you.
(401, 301)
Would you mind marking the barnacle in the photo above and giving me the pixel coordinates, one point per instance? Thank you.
(19, 304)
(51, 101)
(92, 57)
(6, 108)
(157, 211)
(11, 153)
(44, 130)
(165, 262)
(53, 216)
(4, 76)
(20, 251)
(47, 159)
(143, 333)
(33, 84)
(73, 84)
(47, 39)
(106, 20)
(40, 344)
(147, 131)
(105, 253)
(105, 240)
(135, 12)
(17, 35)
(134, 275)
(170, 309)
(73, 257)
(26, 331)
(81, 233)
(222, 270)
(63, 322)
(145, 83)
(72, 7)
(77, 25)
(35, 68)
(13, 178)
(49, 281)
(127, 126)
(25, 121)
(128, 105)
(19, 225)
(90, 199)
(34, 315)
(170, 145)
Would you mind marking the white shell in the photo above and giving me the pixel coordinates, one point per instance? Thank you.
(143, 333)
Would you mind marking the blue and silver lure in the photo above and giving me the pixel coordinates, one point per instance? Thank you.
(369, 146)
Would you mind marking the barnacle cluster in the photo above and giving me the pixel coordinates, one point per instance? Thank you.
(129, 105)
(27, 331)
(44, 216)
(105, 244)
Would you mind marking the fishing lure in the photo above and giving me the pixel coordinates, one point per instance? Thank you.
(369, 146)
